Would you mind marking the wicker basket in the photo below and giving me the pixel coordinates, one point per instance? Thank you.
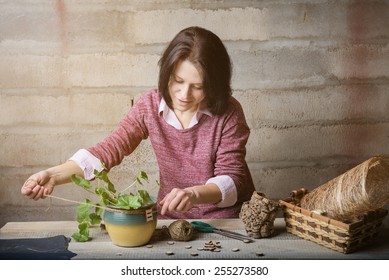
(330, 233)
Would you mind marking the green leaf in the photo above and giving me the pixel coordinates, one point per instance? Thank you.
(144, 176)
(79, 181)
(94, 218)
(145, 197)
(105, 196)
(128, 201)
(83, 227)
(98, 210)
(83, 211)
(79, 237)
(96, 173)
(83, 232)
(103, 175)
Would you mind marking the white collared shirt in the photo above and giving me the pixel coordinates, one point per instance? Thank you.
(171, 118)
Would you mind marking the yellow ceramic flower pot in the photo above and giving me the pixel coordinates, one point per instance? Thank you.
(130, 228)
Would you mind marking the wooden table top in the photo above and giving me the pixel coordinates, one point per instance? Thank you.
(281, 245)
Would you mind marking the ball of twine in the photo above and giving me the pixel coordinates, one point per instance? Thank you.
(362, 189)
(180, 230)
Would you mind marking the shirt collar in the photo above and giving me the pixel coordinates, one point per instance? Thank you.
(169, 116)
(165, 109)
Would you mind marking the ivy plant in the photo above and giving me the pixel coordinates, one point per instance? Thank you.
(89, 212)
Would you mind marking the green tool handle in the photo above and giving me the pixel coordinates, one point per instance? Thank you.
(201, 226)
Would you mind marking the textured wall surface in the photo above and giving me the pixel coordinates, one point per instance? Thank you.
(312, 76)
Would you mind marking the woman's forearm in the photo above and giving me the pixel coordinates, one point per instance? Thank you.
(207, 194)
(61, 174)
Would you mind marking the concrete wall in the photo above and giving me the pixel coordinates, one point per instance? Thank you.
(312, 76)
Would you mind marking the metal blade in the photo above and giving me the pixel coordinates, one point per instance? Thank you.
(233, 235)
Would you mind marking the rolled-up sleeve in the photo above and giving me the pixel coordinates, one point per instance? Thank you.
(227, 188)
(87, 162)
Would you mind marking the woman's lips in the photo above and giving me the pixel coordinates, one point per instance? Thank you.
(183, 102)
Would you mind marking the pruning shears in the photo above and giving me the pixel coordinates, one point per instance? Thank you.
(204, 227)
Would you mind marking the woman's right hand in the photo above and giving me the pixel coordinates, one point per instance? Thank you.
(42, 183)
(38, 186)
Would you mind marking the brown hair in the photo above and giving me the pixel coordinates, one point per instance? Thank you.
(208, 54)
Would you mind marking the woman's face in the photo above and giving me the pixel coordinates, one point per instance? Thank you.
(186, 87)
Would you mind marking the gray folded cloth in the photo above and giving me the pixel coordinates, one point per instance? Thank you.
(48, 248)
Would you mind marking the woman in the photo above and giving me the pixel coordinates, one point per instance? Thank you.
(197, 129)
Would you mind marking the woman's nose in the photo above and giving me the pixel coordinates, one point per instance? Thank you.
(185, 91)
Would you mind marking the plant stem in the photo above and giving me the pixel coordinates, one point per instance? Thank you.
(128, 187)
(89, 191)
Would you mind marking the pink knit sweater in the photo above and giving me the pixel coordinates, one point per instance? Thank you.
(186, 157)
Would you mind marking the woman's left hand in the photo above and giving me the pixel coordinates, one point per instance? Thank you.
(180, 200)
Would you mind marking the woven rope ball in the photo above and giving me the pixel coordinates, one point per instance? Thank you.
(180, 230)
(258, 215)
(362, 189)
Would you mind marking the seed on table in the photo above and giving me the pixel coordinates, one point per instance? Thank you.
(216, 250)
(149, 246)
(200, 249)
(259, 254)
(170, 242)
(235, 249)
(188, 247)
(169, 253)
(246, 240)
(194, 254)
